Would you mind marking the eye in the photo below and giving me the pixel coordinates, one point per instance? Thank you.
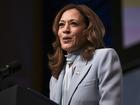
(61, 25)
(74, 24)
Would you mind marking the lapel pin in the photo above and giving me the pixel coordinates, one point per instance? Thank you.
(77, 73)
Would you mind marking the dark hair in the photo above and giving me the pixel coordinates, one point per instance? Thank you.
(94, 33)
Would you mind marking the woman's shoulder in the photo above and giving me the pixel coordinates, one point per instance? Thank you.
(105, 51)
(104, 54)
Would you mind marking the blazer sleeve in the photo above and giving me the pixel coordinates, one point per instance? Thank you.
(110, 78)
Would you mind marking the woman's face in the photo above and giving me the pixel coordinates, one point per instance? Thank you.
(71, 26)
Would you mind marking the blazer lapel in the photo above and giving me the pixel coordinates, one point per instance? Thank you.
(80, 71)
(57, 90)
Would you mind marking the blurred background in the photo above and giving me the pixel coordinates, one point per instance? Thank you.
(26, 35)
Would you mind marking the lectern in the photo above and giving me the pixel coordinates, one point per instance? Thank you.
(16, 95)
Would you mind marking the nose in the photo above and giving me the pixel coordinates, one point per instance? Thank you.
(66, 29)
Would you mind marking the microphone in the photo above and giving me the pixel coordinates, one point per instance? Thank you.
(9, 69)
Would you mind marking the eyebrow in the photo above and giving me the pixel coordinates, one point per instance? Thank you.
(61, 21)
(69, 20)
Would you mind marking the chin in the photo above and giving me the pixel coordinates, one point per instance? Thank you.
(66, 47)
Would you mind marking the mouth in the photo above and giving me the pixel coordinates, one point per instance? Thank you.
(67, 39)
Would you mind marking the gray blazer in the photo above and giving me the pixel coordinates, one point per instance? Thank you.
(97, 82)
